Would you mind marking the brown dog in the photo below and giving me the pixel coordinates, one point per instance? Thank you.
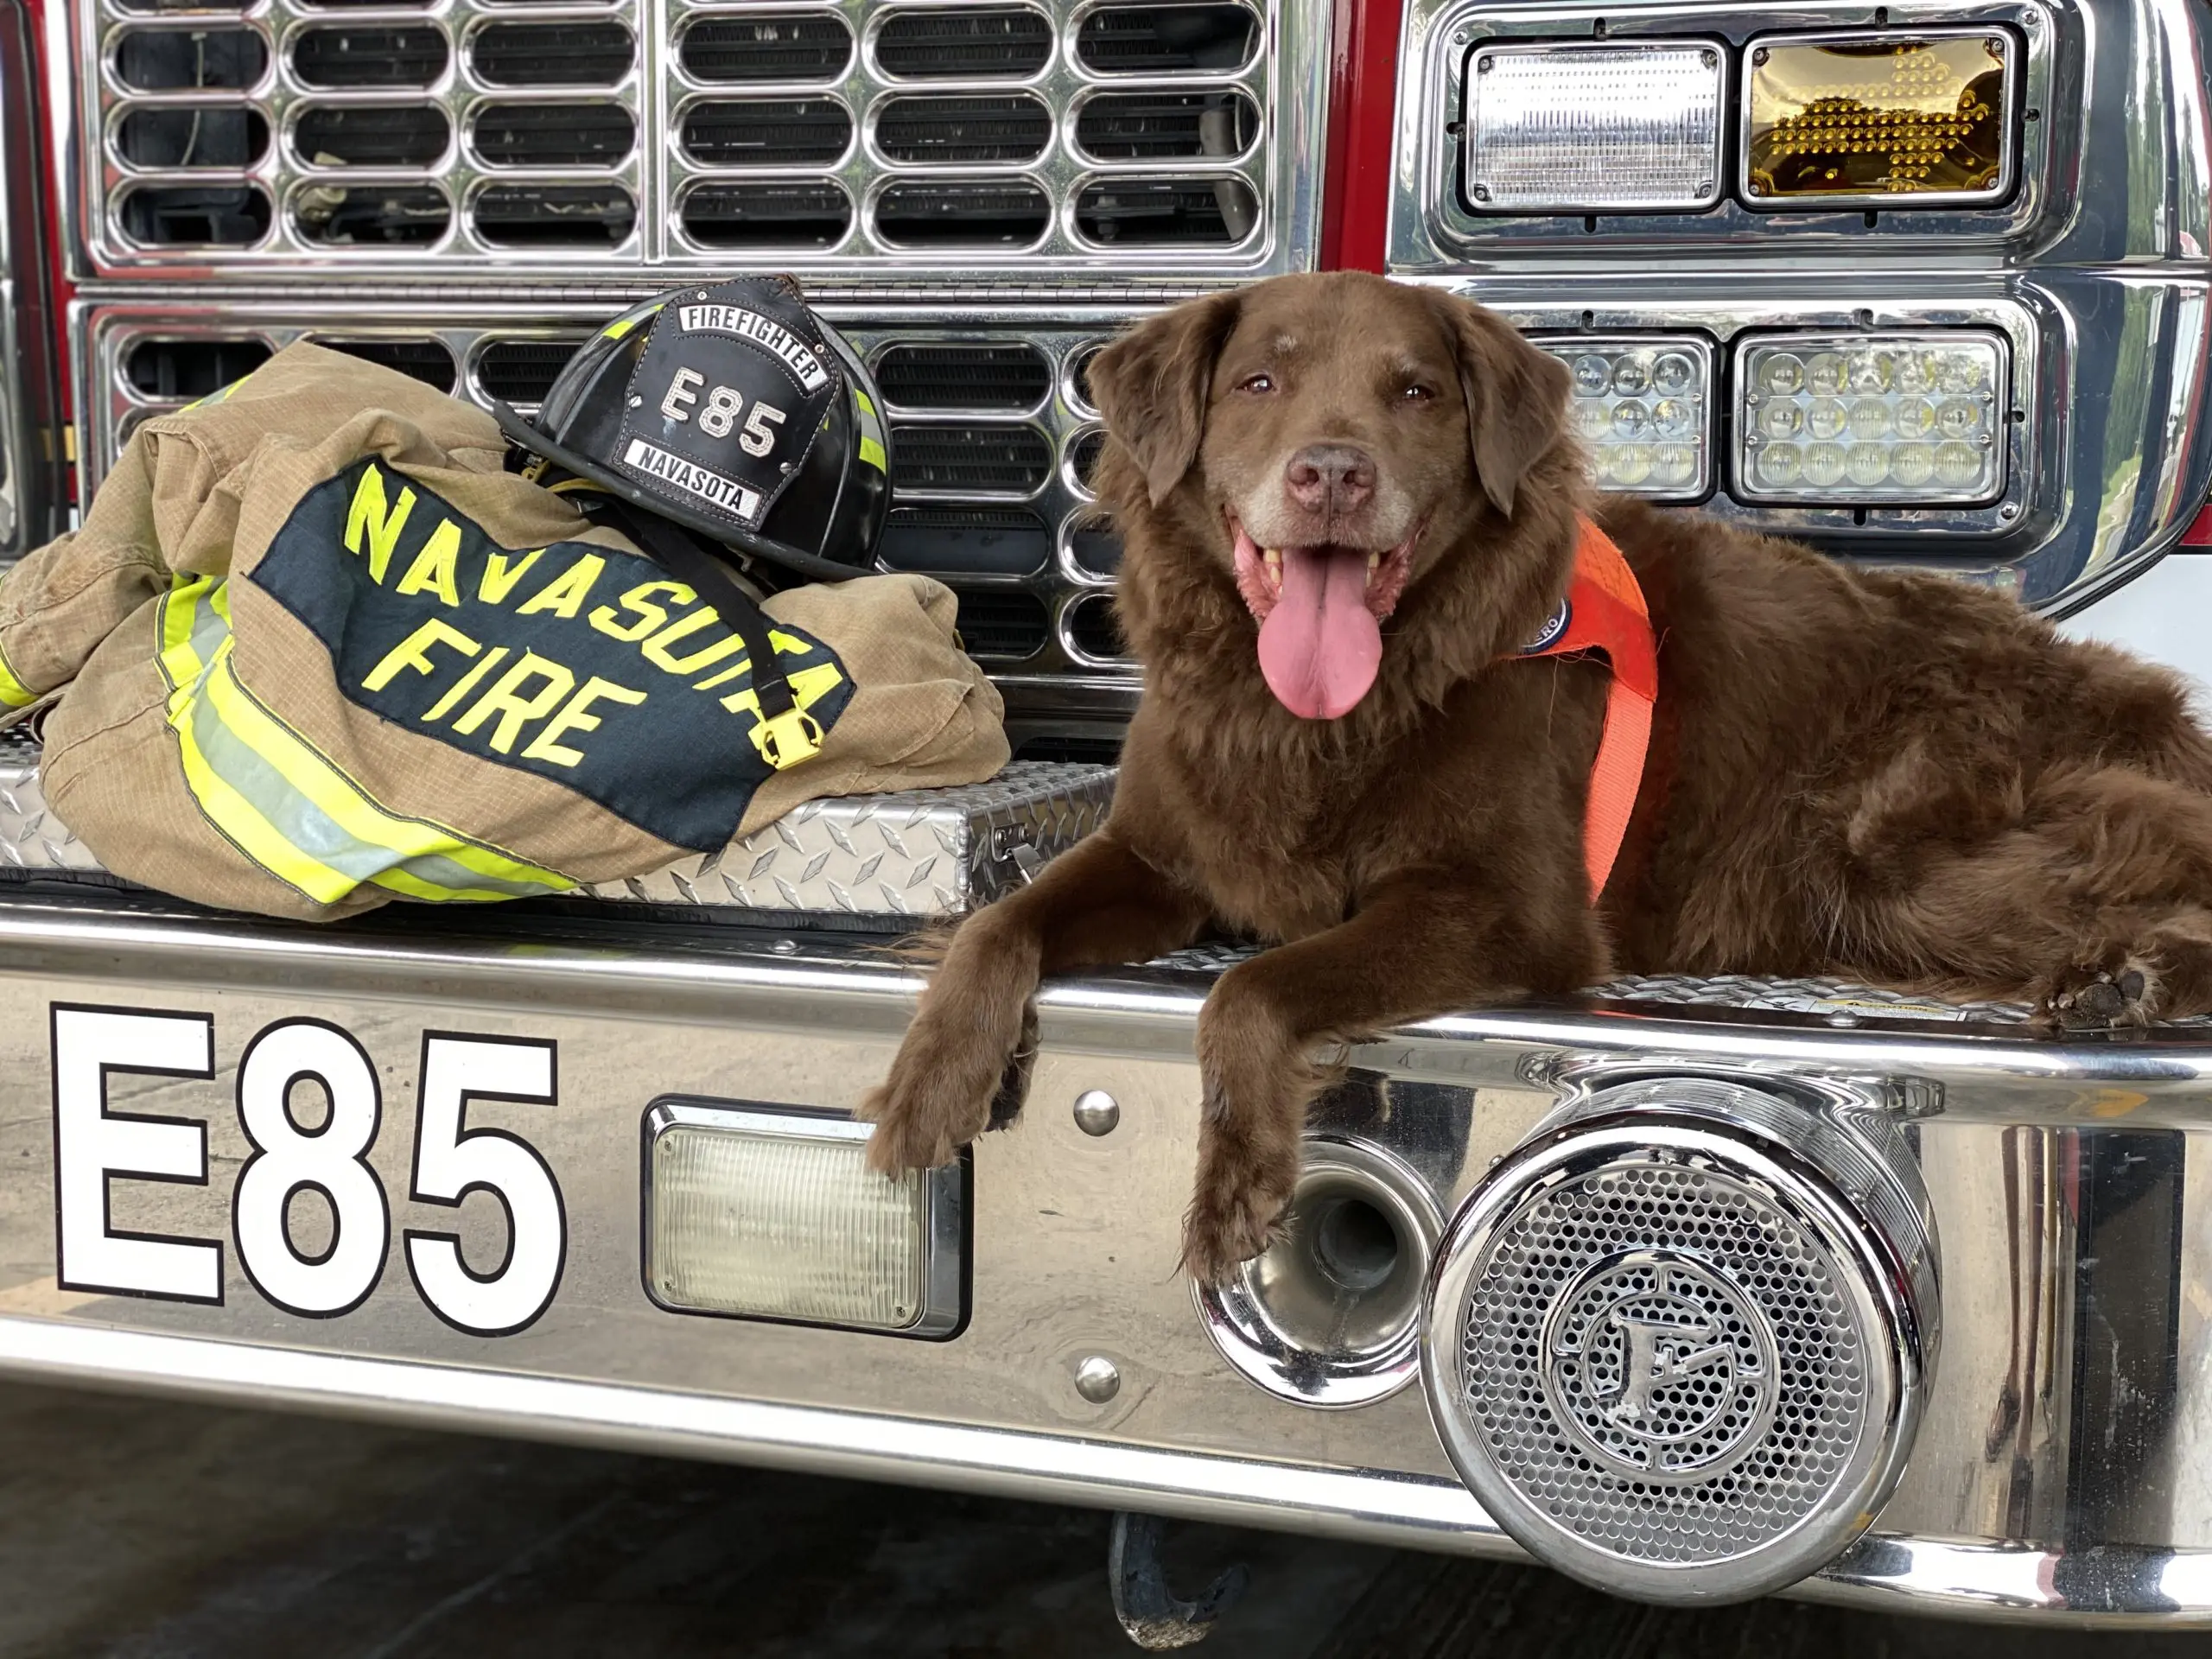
(1896, 777)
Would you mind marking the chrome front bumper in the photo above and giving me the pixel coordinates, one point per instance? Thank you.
(2057, 1471)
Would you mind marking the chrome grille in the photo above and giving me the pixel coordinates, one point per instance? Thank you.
(909, 139)
(387, 137)
(990, 444)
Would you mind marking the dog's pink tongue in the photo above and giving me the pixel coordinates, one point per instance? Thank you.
(1320, 646)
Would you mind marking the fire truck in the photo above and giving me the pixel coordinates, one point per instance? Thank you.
(1698, 1289)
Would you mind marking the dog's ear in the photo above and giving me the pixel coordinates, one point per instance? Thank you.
(1516, 395)
(1153, 382)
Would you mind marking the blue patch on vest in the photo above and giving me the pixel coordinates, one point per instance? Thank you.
(1552, 632)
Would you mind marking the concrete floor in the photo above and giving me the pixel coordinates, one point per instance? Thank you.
(148, 1529)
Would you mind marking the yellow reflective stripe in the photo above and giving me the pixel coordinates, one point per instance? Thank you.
(284, 804)
(179, 661)
(871, 429)
(340, 799)
(13, 693)
(214, 398)
(192, 631)
(622, 325)
(240, 820)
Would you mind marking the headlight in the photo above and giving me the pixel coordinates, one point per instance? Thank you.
(1843, 419)
(1643, 408)
(1890, 119)
(773, 1214)
(1576, 128)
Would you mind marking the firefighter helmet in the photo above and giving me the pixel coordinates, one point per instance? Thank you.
(732, 410)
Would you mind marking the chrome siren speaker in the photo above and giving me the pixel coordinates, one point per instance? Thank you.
(1677, 1343)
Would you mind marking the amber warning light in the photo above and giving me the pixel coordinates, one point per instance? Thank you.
(1885, 120)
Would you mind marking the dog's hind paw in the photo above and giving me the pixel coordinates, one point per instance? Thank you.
(2122, 992)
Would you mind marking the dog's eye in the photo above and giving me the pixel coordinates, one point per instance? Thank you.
(1418, 394)
(1256, 382)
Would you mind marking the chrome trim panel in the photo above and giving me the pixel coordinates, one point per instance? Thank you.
(2071, 1178)
(1284, 80)
(2110, 1587)
(2061, 1450)
(1372, 1506)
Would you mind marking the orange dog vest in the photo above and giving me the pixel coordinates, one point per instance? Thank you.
(1603, 611)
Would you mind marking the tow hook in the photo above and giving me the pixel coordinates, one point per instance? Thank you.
(1153, 1618)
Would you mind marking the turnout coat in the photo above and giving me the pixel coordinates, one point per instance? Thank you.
(322, 651)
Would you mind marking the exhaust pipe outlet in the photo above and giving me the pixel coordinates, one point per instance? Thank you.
(1330, 1314)
(1678, 1343)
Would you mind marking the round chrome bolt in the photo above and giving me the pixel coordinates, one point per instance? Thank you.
(1097, 1379)
(1096, 1112)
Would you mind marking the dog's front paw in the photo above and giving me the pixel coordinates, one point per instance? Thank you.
(1237, 1208)
(929, 1108)
(2119, 992)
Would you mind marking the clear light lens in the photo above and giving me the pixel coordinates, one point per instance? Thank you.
(1588, 127)
(1823, 466)
(1641, 408)
(1871, 419)
(1675, 465)
(786, 1224)
(1879, 117)
(1673, 374)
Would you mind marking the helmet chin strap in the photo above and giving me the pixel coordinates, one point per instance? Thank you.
(787, 734)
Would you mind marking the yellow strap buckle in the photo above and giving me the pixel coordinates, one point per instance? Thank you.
(789, 738)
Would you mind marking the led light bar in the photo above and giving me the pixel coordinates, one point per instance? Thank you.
(1851, 419)
(770, 1213)
(1589, 127)
(1888, 120)
(1642, 407)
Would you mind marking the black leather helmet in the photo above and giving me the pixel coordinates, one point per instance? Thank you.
(732, 410)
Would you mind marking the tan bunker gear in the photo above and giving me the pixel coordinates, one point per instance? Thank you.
(322, 651)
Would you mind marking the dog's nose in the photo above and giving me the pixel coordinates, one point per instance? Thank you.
(1329, 478)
